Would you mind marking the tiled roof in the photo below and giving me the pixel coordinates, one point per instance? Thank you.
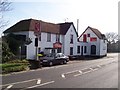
(20, 26)
(29, 25)
(96, 31)
(65, 26)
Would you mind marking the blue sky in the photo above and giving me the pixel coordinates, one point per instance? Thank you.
(100, 14)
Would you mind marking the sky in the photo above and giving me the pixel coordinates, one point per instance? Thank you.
(100, 14)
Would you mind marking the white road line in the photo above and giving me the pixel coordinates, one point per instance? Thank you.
(18, 82)
(71, 72)
(99, 66)
(91, 69)
(41, 84)
(80, 72)
(61, 66)
(63, 76)
(38, 81)
(8, 87)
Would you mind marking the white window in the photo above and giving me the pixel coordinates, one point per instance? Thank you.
(48, 37)
(57, 38)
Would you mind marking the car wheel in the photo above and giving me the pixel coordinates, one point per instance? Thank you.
(51, 63)
(65, 62)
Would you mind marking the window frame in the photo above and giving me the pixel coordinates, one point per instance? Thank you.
(78, 49)
(85, 49)
(71, 39)
(57, 37)
(48, 37)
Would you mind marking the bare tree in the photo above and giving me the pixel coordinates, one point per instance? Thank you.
(111, 37)
(4, 7)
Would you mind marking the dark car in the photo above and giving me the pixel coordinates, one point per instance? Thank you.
(54, 58)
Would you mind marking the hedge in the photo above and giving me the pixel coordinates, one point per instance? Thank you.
(14, 66)
(14, 69)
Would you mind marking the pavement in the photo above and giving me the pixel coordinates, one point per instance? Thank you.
(98, 73)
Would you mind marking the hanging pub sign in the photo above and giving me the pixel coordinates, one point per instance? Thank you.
(37, 29)
(93, 39)
(57, 45)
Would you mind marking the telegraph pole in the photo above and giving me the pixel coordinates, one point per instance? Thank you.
(77, 25)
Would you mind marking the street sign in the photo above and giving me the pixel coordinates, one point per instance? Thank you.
(93, 39)
(57, 45)
(37, 29)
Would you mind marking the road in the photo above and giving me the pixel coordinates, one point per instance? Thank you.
(97, 73)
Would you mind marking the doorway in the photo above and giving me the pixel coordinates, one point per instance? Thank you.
(93, 50)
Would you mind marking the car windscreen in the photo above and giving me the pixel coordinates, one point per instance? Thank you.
(50, 55)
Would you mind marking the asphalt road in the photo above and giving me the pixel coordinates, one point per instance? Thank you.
(98, 73)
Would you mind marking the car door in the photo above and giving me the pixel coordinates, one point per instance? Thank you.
(57, 58)
(61, 58)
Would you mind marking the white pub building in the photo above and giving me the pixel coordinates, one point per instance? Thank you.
(61, 37)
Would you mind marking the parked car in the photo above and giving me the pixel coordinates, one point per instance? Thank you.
(55, 58)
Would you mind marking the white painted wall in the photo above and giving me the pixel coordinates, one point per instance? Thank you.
(84, 44)
(30, 48)
(96, 43)
(67, 43)
(41, 44)
(103, 47)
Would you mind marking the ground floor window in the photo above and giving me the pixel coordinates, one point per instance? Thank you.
(85, 49)
(59, 50)
(71, 50)
(81, 50)
(23, 52)
(78, 49)
(53, 51)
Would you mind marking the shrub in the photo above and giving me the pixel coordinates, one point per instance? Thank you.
(6, 65)
(26, 62)
(6, 54)
(14, 66)
(15, 69)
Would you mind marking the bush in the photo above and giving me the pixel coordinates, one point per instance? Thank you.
(14, 66)
(26, 62)
(15, 69)
(6, 65)
(6, 54)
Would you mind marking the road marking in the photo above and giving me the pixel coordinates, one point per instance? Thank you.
(41, 84)
(8, 87)
(91, 69)
(17, 82)
(61, 66)
(63, 76)
(71, 72)
(80, 72)
(99, 66)
(38, 81)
